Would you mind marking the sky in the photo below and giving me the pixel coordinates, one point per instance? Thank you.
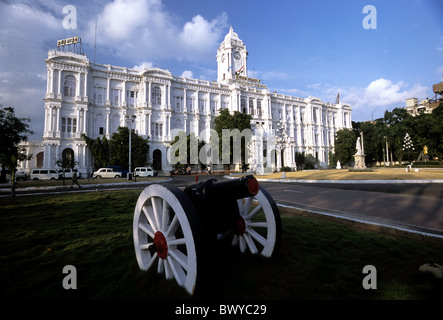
(375, 57)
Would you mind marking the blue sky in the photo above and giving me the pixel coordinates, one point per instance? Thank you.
(301, 48)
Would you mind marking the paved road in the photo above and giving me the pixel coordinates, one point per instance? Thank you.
(401, 206)
(413, 207)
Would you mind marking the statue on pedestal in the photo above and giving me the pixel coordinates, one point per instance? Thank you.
(359, 156)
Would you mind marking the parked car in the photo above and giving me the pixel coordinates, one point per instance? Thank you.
(145, 172)
(68, 173)
(44, 174)
(107, 173)
(20, 175)
(119, 169)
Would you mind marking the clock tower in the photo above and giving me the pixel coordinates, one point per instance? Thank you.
(232, 58)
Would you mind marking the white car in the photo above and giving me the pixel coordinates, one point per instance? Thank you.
(144, 172)
(107, 173)
(44, 174)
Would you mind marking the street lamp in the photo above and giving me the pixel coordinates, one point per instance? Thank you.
(131, 118)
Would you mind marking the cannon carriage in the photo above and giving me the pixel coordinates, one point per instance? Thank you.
(172, 228)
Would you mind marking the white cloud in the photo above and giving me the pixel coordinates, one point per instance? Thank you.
(187, 74)
(380, 95)
(143, 66)
(135, 29)
(366, 102)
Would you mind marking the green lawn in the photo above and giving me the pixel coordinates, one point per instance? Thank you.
(318, 259)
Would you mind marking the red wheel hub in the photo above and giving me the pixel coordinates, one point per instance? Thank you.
(240, 226)
(161, 245)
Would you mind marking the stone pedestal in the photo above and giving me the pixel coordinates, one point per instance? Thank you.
(359, 160)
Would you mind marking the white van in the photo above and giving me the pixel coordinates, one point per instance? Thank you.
(145, 172)
(44, 174)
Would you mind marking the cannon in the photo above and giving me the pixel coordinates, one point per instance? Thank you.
(173, 227)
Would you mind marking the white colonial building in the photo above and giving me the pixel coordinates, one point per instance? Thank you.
(83, 97)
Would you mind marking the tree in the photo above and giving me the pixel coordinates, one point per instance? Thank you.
(184, 145)
(119, 149)
(237, 120)
(100, 151)
(13, 131)
(116, 150)
(345, 145)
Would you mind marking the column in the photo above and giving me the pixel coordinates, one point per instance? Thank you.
(77, 85)
(84, 120)
(185, 107)
(52, 81)
(169, 126)
(83, 164)
(108, 91)
(124, 93)
(149, 95)
(58, 120)
(60, 75)
(48, 80)
(86, 84)
(149, 124)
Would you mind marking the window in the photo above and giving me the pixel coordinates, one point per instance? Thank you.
(131, 97)
(116, 96)
(158, 129)
(101, 130)
(259, 112)
(190, 104)
(243, 106)
(156, 96)
(251, 107)
(99, 94)
(69, 86)
(69, 125)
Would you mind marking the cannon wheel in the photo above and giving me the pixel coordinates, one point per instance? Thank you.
(259, 228)
(168, 235)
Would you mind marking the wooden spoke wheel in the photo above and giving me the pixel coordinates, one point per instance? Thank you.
(258, 229)
(168, 235)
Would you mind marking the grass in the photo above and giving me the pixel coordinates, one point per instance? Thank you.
(318, 259)
(376, 174)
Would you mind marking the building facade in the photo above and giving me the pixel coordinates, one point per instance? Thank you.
(83, 97)
(415, 107)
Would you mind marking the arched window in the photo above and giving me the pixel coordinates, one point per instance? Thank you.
(39, 160)
(68, 160)
(69, 86)
(156, 96)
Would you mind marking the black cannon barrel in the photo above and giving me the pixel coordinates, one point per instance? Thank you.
(216, 201)
(234, 189)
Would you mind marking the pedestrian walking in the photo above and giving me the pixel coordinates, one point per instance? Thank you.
(74, 179)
